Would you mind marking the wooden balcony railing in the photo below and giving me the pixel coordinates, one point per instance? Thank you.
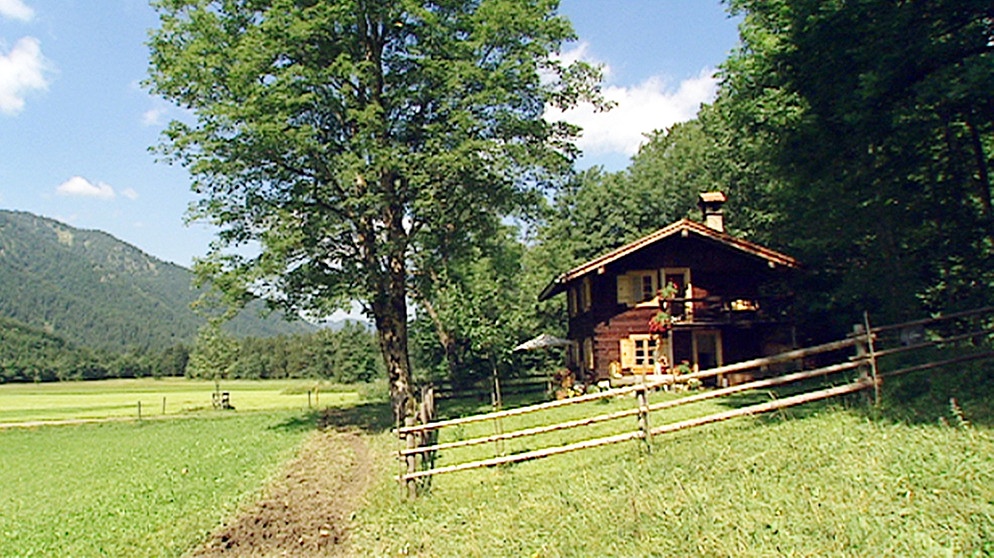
(722, 309)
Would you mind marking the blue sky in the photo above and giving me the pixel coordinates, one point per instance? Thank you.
(75, 124)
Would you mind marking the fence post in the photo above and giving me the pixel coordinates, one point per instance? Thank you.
(873, 359)
(498, 404)
(412, 487)
(643, 404)
(864, 352)
(427, 414)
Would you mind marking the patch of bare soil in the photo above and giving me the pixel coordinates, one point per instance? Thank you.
(307, 511)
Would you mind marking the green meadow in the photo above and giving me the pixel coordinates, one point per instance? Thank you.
(160, 397)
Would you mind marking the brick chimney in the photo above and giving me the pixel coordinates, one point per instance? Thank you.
(711, 211)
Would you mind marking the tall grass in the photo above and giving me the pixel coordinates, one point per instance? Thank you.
(134, 489)
(828, 482)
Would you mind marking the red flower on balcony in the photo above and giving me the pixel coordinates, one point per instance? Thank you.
(660, 323)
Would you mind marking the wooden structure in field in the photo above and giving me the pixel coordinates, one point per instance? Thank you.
(715, 298)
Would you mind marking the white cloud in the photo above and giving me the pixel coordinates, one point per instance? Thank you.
(130, 193)
(16, 9)
(153, 117)
(638, 109)
(21, 71)
(79, 186)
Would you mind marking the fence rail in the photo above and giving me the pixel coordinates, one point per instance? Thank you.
(866, 346)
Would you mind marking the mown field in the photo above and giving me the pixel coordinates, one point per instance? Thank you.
(158, 397)
(134, 489)
(836, 479)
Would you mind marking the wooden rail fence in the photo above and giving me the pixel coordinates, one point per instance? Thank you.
(865, 347)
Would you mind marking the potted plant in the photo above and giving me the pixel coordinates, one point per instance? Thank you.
(663, 321)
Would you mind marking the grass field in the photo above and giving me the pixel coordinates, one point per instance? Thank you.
(829, 479)
(166, 396)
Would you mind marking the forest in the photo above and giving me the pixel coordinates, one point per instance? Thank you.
(346, 355)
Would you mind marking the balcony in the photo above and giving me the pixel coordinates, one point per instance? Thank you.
(714, 310)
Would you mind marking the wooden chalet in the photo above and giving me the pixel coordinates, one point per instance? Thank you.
(716, 299)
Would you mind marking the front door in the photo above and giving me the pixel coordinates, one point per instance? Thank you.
(707, 352)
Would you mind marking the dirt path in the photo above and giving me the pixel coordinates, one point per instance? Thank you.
(307, 511)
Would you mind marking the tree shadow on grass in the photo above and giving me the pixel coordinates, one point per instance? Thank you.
(307, 421)
(956, 395)
(373, 417)
(369, 417)
(959, 396)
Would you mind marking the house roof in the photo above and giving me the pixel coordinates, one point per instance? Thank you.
(682, 227)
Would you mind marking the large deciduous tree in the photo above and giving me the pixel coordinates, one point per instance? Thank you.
(356, 142)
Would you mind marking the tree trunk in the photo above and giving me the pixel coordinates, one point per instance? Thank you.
(983, 175)
(390, 314)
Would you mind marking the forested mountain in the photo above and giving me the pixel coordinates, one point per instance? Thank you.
(96, 291)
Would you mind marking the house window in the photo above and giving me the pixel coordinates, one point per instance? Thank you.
(578, 298)
(647, 287)
(637, 286)
(640, 353)
(645, 352)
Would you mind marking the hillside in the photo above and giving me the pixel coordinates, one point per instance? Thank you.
(94, 290)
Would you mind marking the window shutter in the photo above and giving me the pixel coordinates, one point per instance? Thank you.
(588, 353)
(625, 295)
(627, 352)
(586, 294)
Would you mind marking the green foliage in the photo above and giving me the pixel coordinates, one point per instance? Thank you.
(346, 355)
(475, 311)
(31, 355)
(599, 211)
(213, 355)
